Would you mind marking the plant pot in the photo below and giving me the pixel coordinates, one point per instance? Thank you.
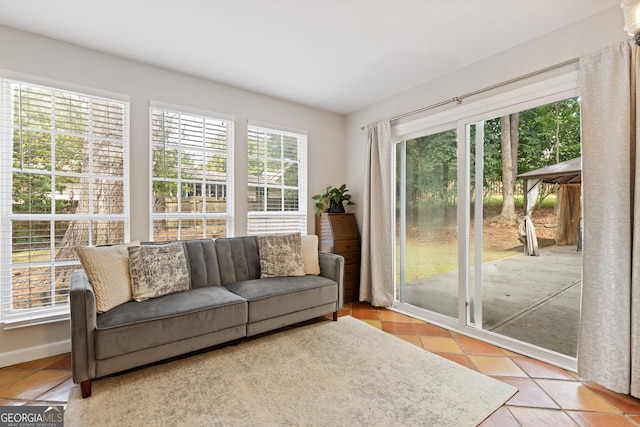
(336, 207)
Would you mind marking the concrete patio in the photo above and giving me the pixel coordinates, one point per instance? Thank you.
(532, 299)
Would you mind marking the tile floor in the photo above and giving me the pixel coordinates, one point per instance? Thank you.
(547, 395)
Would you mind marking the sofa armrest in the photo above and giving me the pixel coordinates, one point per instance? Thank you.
(332, 267)
(83, 326)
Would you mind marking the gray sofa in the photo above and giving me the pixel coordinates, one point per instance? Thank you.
(227, 301)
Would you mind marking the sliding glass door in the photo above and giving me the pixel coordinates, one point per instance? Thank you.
(488, 226)
(427, 222)
(526, 284)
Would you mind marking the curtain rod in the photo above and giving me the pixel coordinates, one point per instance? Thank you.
(458, 99)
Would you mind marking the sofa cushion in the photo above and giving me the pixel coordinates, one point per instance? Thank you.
(238, 259)
(157, 270)
(280, 255)
(278, 296)
(107, 268)
(203, 262)
(140, 325)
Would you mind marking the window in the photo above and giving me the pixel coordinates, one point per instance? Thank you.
(277, 178)
(192, 176)
(64, 183)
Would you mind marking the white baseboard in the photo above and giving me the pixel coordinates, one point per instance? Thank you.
(33, 353)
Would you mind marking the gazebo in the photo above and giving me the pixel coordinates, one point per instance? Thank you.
(568, 175)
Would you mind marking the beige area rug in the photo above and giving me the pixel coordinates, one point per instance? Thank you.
(344, 373)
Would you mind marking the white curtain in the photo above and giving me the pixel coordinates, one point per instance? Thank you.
(376, 274)
(531, 246)
(609, 341)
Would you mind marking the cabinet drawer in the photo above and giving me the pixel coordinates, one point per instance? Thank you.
(352, 272)
(351, 284)
(350, 257)
(351, 291)
(347, 245)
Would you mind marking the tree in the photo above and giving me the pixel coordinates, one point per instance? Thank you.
(164, 164)
(513, 144)
(549, 134)
(432, 167)
(540, 137)
(102, 195)
(431, 178)
(509, 150)
(217, 163)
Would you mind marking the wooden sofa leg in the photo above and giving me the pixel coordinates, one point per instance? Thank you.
(85, 386)
(335, 316)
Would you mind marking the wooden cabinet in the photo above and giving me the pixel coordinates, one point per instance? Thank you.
(338, 233)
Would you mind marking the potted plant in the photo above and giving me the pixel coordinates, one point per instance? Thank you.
(332, 200)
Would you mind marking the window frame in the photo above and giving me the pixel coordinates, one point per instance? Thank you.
(179, 216)
(12, 317)
(266, 221)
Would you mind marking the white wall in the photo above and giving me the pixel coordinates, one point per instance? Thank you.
(49, 59)
(570, 42)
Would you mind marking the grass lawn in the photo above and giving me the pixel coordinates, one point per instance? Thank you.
(437, 258)
(430, 251)
(31, 256)
(496, 201)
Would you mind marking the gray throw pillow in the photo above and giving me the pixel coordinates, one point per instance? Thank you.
(280, 255)
(157, 270)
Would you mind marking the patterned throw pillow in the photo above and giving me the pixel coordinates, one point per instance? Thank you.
(157, 270)
(280, 255)
(107, 268)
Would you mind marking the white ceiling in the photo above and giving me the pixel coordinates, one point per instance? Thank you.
(337, 55)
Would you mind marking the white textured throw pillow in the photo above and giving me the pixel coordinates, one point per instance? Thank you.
(280, 255)
(157, 270)
(310, 254)
(107, 268)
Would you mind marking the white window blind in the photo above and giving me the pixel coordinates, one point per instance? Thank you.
(192, 175)
(277, 179)
(64, 183)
